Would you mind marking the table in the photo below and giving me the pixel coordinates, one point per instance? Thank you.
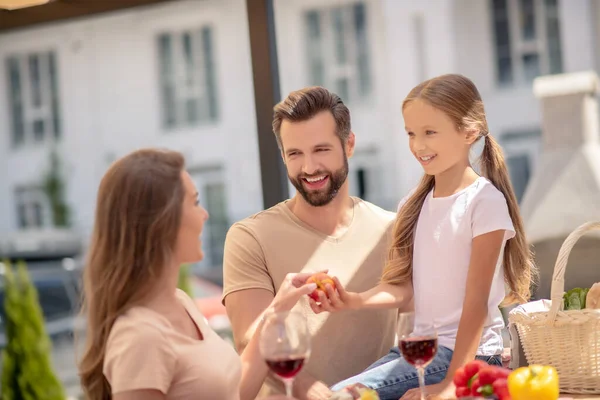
(579, 396)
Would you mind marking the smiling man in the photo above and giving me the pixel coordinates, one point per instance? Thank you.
(321, 227)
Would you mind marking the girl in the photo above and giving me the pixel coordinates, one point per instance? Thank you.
(458, 238)
(146, 339)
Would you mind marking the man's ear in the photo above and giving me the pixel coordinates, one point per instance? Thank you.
(282, 156)
(350, 143)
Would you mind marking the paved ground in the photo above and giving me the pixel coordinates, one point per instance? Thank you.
(64, 360)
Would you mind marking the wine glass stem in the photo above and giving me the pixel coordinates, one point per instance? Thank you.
(421, 373)
(288, 386)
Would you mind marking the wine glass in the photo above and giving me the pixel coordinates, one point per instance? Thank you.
(285, 345)
(418, 346)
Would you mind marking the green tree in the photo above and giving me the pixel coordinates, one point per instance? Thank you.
(29, 359)
(10, 354)
(184, 282)
(54, 188)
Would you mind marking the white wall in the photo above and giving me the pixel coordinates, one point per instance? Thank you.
(110, 102)
(377, 121)
(370, 121)
(577, 34)
(515, 108)
(108, 82)
(412, 55)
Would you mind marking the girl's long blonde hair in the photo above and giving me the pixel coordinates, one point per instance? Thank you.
(458, 98)
(138, 213)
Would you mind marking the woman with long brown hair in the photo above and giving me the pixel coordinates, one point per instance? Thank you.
(458, 242)
(145, 338)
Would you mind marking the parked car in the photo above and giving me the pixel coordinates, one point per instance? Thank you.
(51, 257)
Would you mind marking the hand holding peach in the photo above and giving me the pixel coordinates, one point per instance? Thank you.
(321, 279)
(331, 295)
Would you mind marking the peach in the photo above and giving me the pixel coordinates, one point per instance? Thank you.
(321, 279)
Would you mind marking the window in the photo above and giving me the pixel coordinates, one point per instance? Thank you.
(364, 176)
(527, 39)
(361, 182)
(522, 150)
(33, 209)
(338, 56)
(187, 78)
(418, 27)
(519, 167)
(33, 97)
(212, 192)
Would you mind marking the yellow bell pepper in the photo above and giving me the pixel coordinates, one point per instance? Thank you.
(368, 394)
(534, 382)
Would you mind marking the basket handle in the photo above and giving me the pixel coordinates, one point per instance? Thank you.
(558, 278)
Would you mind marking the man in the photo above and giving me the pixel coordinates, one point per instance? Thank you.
(321, 227)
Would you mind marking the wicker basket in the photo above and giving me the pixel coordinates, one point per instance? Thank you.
(568, 340)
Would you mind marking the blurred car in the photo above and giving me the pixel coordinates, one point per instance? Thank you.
(51, 256)
(207, 297)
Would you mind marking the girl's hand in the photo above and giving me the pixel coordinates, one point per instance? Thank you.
(337, 299)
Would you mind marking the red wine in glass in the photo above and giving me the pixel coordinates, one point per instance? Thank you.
(286, 367)
(285, 345)
(418, 351)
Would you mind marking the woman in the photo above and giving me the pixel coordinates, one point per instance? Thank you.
(145, 338)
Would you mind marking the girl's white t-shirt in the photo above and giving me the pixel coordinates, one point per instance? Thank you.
(442, 252)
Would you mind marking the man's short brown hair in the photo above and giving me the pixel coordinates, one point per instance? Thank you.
(304, 104)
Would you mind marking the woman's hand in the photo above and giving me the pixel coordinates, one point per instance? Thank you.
(292, 289)
(337, 299)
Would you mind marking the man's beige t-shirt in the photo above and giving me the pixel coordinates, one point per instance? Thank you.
(144, 351)
(262, 249)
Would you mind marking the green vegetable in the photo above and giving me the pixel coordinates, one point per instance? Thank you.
(574, 299)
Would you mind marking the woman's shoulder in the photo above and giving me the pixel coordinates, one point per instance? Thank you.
(142, 323)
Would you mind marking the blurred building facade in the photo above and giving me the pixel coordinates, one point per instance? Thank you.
(178, 75)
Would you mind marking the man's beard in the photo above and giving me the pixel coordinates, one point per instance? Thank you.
(322, 197)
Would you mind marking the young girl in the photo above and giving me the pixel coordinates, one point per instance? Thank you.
(145, 338)
(458, 238)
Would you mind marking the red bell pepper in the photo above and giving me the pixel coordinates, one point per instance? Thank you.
(501, 389)
(460, 378)
(489, 374)
(477, 378)
(462, 391)
(473, 367)
(464, 376)
(475, 386)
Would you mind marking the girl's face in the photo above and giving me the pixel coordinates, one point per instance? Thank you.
(434, 139)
